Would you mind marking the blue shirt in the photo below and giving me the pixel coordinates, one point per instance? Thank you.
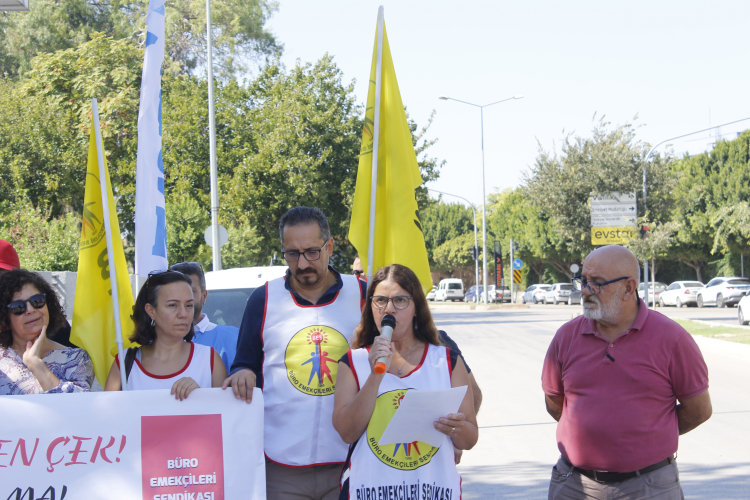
(250, 345)
(223, 338)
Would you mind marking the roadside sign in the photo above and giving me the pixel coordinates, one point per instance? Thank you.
(516, 276)
(613, 218)
(209, 237)
(574, 268)
(517, 263)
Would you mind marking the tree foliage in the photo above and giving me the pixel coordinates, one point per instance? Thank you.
(442, 222)
(240, 36)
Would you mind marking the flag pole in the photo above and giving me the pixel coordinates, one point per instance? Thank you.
(108, 232)
(376, 136)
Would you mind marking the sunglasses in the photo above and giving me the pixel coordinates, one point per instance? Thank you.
(18, 307)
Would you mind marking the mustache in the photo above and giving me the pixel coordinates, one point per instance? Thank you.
(309, 270)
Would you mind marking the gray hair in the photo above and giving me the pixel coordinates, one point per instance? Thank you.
(305, 215)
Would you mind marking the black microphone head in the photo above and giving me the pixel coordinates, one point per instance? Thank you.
(388, 320)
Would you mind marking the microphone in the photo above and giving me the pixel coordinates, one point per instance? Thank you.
(386, 330)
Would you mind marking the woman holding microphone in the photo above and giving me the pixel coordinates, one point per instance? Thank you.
(167, 359)
(365, 401)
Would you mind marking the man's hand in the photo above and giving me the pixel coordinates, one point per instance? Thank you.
(692, 412)
(554, 406)
(242, 382)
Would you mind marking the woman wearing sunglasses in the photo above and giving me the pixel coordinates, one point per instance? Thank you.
(30, 363)
(167, 359)
(366, 401)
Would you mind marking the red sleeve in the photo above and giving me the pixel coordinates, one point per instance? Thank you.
(117, 360)
(687, 369)
(552, 382)
(213, 355)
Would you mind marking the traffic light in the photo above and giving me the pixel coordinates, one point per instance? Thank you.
(644, 231)
(474, 252)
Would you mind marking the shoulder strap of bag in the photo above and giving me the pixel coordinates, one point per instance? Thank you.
(129, 359)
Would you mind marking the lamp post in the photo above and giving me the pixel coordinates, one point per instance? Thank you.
(476, 241)
(645, 164)
(484, 191)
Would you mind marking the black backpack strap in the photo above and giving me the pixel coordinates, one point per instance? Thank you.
(129, 359)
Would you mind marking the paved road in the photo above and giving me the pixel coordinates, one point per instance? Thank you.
(517, 446)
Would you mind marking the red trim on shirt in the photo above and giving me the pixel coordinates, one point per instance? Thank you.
(190, 358)
(314, 305)
(262, 343)
(424, 355)
(450, 365)
(302, 466)
(117, 360)
(212, 360)
(351, 365)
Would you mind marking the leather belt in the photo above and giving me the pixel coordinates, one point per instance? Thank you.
(616, 477)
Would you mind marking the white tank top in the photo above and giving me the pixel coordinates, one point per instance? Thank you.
(404, 470)
(199, 366)
(301, 349)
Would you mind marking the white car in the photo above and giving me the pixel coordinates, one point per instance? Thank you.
(496, 294)
(229, 289)
(660, 287)
(680, 293)
(558, 292)
(431, 294)
(743, 310)
(450, 289)
(723, 291)
(534, 293)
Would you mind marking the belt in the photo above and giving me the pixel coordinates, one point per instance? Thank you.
(616, 477)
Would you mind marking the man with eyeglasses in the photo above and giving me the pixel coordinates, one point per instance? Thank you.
(623, 382)
(223, 338)
(293, 332)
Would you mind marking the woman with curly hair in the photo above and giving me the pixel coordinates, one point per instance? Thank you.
(30, 363)
(167, 359)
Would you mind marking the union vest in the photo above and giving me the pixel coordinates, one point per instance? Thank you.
(199, 366)
(402, 470)
(301, 349)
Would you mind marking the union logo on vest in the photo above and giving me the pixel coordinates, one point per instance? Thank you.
(312, 359)
(402, 456)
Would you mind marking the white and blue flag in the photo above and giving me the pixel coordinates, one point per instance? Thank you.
(150, 215)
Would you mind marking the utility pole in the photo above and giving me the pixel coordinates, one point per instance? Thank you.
(512, 298)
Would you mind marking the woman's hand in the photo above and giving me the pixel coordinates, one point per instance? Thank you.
(32, 355)
(381, 347)
(452, 425)
(183, 387)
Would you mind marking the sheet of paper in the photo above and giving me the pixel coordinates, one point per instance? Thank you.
(413, 421)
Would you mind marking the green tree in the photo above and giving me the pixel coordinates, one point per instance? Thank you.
(186, 223)
(240, 35)
(609, 161)
(655, 242)
(445, 221)
(43, 243)
(454, 254)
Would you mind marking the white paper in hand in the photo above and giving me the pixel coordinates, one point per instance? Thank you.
(413, 421)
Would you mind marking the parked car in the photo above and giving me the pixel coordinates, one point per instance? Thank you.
(534, 293)
(723, 291)
(471, 295)
(574, 297)
(431, 294)
(450, 289)
(559, 292)
(496, 294)
(653, 298)
(228, 291)
(743, 310)
(680, 293)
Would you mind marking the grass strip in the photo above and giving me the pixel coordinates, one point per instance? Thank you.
(722, 332)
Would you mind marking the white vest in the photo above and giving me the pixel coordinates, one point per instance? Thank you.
(199, 366)
(404, 470)
(301, 349)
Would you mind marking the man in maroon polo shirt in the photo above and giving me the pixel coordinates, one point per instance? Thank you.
(623, 382)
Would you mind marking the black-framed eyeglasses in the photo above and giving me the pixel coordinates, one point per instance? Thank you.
(18, 307)
(595, 288)
(310, 255)
(399, 301)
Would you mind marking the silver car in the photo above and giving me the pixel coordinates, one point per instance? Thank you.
(559, 292)
(534, 293)
(680, 293)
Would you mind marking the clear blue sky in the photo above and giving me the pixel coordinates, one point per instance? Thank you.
(678, 65)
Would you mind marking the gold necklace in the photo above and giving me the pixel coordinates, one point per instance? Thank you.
(407, 357)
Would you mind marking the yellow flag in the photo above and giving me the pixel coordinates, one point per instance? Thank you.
(93, 313)
(398, 231)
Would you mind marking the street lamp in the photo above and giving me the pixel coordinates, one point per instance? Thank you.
(476, 242)
(484, 191)
(645, 163)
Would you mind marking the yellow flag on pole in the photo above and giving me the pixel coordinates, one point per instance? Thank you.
(93, 312)
(397, 236)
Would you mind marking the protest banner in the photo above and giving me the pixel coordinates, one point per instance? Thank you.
(134, 445)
